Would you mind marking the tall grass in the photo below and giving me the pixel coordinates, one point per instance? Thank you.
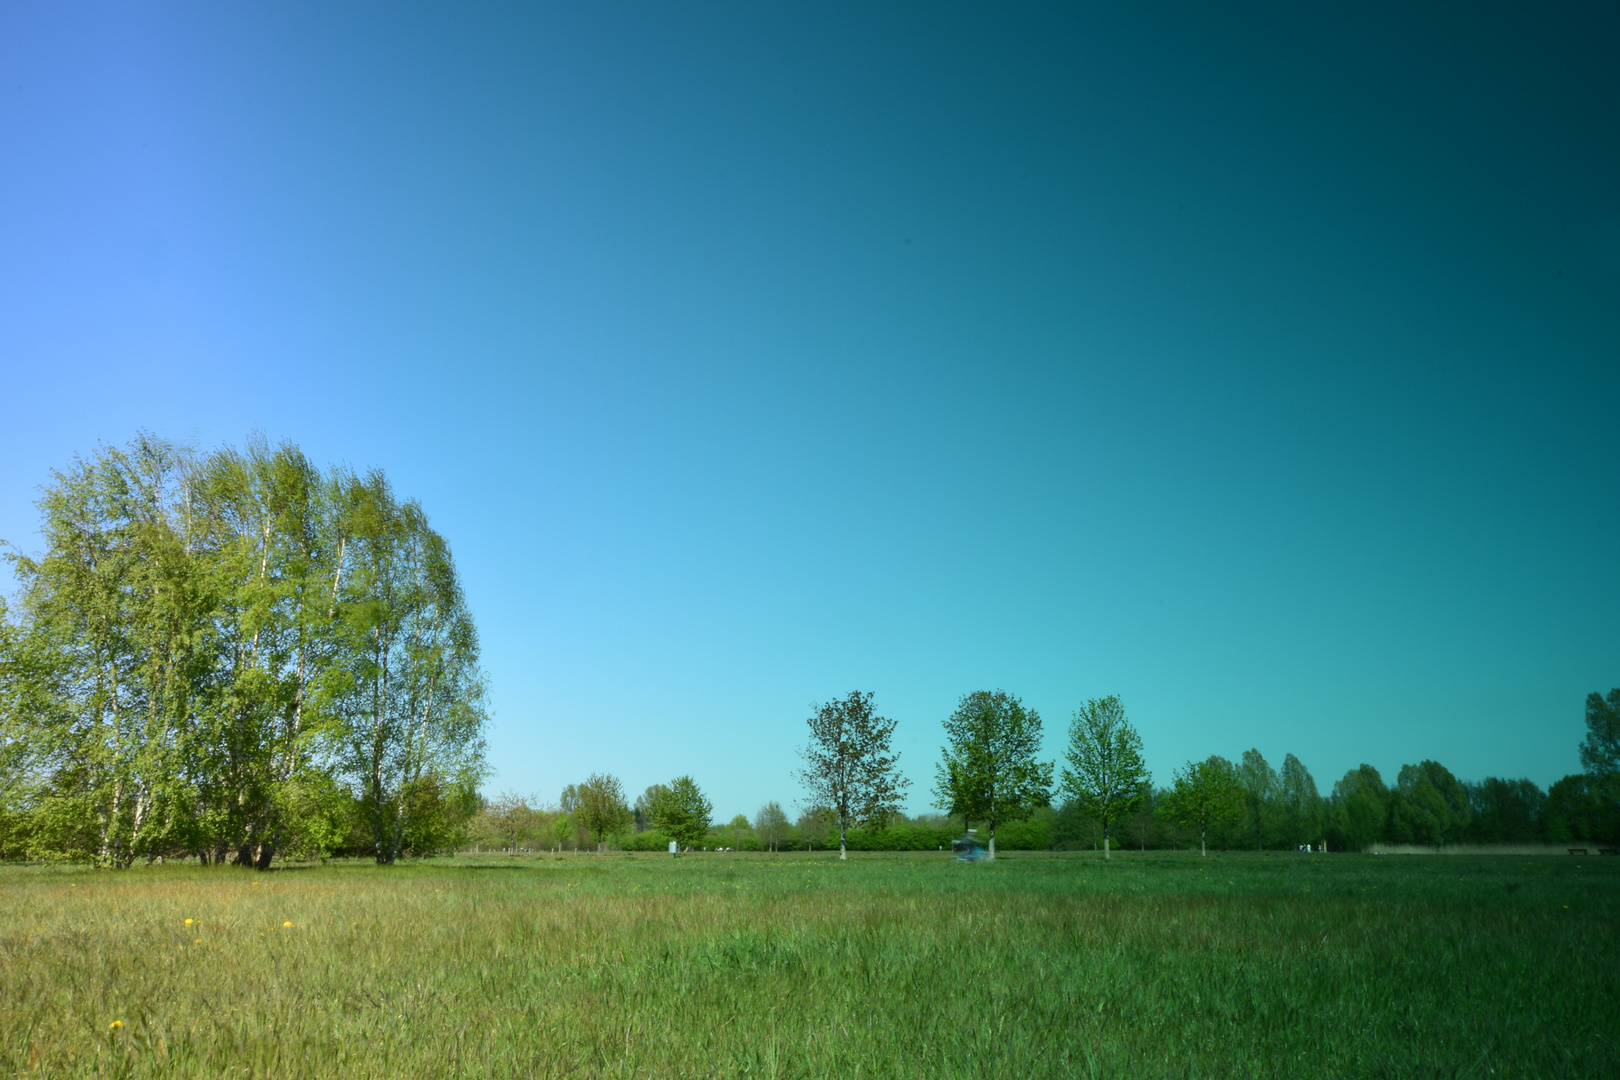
(801, 966)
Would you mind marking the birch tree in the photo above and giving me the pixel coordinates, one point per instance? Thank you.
(849, 765)
(414, 701)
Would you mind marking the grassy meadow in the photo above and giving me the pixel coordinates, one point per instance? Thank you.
(795, 965)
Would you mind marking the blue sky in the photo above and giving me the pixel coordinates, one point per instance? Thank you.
(1255, 364)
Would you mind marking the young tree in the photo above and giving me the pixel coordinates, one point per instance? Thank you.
(1206, 793)
(563, 828)
(989, 772)
(813, 823)
(771, 824)
(1106, 775)
(849, 765)
(601, 807)
(1259, 782)
(681, 812)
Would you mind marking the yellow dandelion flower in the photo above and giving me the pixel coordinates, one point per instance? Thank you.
(197, 942)
(287, 925)
(188, 922)
(115, 1025)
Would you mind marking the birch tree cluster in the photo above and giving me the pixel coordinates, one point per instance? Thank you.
(233, 656)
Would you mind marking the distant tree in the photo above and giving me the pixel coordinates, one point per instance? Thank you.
(681, 812)
(601, 806)
(814, 820)
(1600, 750)
(988, 770)
(771, 824)
(1505, 811)
(643, 807)
(512, 819)
(1300, 802)
(1106, 775)
(1143, 825)
(1428, 806)
(562, 827)
(1584, 807)
(1206, 793)
(1360, 809)
(849, 766)
(1259, 782)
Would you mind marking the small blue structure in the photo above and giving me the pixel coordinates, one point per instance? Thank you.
(968, 848)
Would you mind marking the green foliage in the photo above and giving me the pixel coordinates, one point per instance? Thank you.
(1303, 813)
(1206, 793)
(849, 765)
(1600, 750)
(1584, 807)
(1360, 811)
(1106, 777)
(681, 812)
(1505, 811)
(209, 644)
(771, 824)
(1428, 806)
(988, 770)
(602, 808)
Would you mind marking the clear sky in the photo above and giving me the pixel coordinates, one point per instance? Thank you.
(1257, 364)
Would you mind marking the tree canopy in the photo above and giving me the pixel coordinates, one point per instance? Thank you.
(988, 770)
(849, 765)
(1105, 776)
(681, 812)
(1206, 793)
(231, 655)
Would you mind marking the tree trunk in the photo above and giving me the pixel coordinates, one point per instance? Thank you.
(842, 852)
(1106, 854)
(991, 854)
(1203, 848)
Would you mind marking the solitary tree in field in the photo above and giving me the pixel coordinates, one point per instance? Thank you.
(681, 812)
(1206, 793)
(1105, 775)
(601, 806)
(989, 772)
(849, 766)
(771, 824)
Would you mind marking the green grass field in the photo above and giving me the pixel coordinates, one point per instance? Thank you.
(800, 966)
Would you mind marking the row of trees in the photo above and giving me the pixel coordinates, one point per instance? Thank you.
(233, 656)
(990, 773)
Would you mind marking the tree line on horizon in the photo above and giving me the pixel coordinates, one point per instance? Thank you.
(233, 656)
(990, 774)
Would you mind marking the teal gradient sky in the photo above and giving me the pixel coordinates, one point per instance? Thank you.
(1256, 364)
